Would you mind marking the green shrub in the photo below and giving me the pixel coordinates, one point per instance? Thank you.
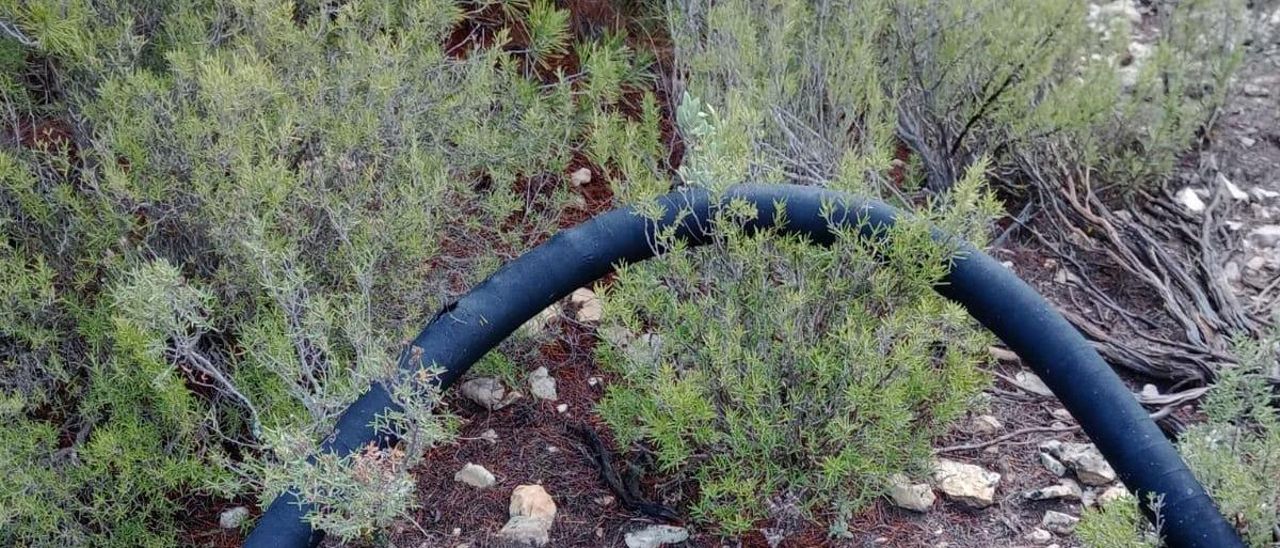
(766, 369)
(256, 203)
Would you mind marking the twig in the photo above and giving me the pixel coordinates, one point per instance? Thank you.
(1006, 437)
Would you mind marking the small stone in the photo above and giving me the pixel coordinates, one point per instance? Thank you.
(562, 408)
(580, 177)
(542, 385)
(1052, 464)
(1150, 391)
(1190, 200)
(1247, 141)
(605, 500)
(232, 518)
(656, 535)
(532, 512)
(537, 325)
(1087, 462)
(1058, 522)
(457, 531)
(1231, 272)
(1263, 194)
(1232, 189)
(1062, 414)
(1089, 498)
(1112, 494)
(1254, 90)
(986, 424)
(475, 476)
(589, 307)
(489, 436)
(1065, 490)
(593, 381)
(1030, 382)
(485, 391)
(917, 497)
(1038, 536)
(968, 484)
(1265, 236)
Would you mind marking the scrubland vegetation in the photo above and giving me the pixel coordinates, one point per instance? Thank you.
(221, 220)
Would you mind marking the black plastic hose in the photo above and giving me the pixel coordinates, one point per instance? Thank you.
(463, 332)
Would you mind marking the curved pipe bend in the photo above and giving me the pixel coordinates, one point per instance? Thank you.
(462, 333)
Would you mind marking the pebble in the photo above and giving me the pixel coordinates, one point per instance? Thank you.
(532, 513)
(542, 385)
(1064, 490)
(917, 497)
(656, 535)
(1052, 464)
(475, 476)
(485, 391)
(1058, 522)
(987, 424)
(968, 484)
(589, 307)
(232, 518)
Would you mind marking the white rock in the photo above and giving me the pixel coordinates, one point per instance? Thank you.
(1065, 490)
(1089, 498)
(1231, 272)
(589, 307)
(987, 424)
(1087, 462)
(968, 484)
(1265, 236)
(1112, 494)
(656, 535)
(1058, 522)
(580, 177)
(1150, 391)
(485, 391)
(1190, 200)
(537, 325)
(562, 408)
(593, 381)
(542, 385)
(532, 512)
(1028, 381)
(1052, 464)
(475, 476)
(1062, 414)
(1254, 90)
(232, 518)
(1232, 189)
(918, 497)
(1263, 194)
(490, 436)
(1038, 536)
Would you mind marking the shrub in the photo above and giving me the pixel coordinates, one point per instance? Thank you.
(771, 370)
(227, 216)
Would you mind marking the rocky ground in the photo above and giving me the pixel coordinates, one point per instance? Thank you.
(1018, 472)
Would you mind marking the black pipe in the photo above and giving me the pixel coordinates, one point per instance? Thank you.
(463, 332)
